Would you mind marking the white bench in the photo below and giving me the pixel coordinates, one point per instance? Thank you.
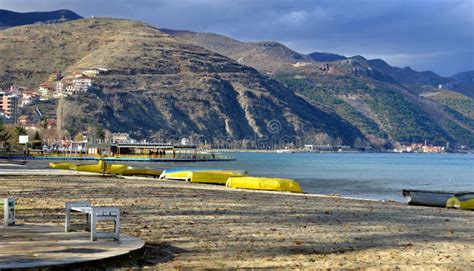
(94, 214)
(9, 211)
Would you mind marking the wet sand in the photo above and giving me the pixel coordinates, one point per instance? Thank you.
(203, 226)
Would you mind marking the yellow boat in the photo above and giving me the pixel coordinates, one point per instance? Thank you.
(463, 201)
(260, 183)
(203, 176)
(60, 165)
(101, 167)
(142, 172)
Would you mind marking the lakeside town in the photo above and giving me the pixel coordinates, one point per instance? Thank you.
(42, 130)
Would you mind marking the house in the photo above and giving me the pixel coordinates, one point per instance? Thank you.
(62, 89)
(92, 72)
(51, 123)
(81, 83)
(46, 90)
(28, 96)
(25, 121)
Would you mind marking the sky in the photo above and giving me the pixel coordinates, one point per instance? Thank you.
(435, 35)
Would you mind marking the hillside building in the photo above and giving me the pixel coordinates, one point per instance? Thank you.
(81, 83)
(9, 106)
(46, 90)
(121, 138)
(27, 97)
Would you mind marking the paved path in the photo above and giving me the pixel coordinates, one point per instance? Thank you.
(21, 171)
(28, 246)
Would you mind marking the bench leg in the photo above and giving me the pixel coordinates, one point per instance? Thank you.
(67, 223)
(117, 227)
(88, 225)
(93, 226)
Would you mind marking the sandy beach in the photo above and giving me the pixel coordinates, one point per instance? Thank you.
(203, 226)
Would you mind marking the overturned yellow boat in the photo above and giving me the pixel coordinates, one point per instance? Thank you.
(142, 172)
(60, 165)
(202, 176)
(101, 167)
(261, 183)
(463, 201)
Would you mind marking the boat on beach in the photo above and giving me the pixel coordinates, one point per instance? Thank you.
(201, 176)
(142, 172)
(60, 165)
(263, 183)
(427, 198)
(101, 167)
(463, 201)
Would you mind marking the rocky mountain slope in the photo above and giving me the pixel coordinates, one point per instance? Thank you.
(382, 101)
(266, 56)
(10, 18)
(273, 57)
(326, 57)
(159, 87)
(463, 83)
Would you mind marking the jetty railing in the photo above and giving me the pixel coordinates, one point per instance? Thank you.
(87, 156)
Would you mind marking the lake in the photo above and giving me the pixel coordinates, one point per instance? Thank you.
(378, 176)
(362, 175)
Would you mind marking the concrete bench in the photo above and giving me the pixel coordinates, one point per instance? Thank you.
(94, 214)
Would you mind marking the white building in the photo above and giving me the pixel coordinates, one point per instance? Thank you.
(81, 83)
(121, 138)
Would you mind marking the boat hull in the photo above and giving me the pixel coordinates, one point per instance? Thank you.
(427, 198)
(142, 172)
(101, 168)
(201, 176)
(260, 183)
(60, 165)
(213, 177)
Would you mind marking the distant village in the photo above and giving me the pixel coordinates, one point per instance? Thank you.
(15, 98)
(421, 148)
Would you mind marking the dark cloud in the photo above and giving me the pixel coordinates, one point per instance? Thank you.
(433, 35)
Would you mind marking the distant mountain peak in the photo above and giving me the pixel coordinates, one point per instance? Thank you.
(326, 57)
(358, 57)
(10, 18)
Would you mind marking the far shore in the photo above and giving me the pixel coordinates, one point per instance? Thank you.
(188, 225)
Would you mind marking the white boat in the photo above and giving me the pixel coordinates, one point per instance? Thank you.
(284, 151)
(427, 198)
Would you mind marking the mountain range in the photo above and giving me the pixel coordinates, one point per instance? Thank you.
(164, 83)
(274, 57)
(10, 18)
(387, 104)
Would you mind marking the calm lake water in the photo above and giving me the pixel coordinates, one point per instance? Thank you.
(361, 175)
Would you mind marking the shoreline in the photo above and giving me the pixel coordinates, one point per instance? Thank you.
(188, 225)
(59, 172)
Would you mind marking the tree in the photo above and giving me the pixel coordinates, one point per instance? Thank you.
(20, 130)
(4, 135)
(79, 137)
(37, 142)
(44, 124)
(99, 133)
